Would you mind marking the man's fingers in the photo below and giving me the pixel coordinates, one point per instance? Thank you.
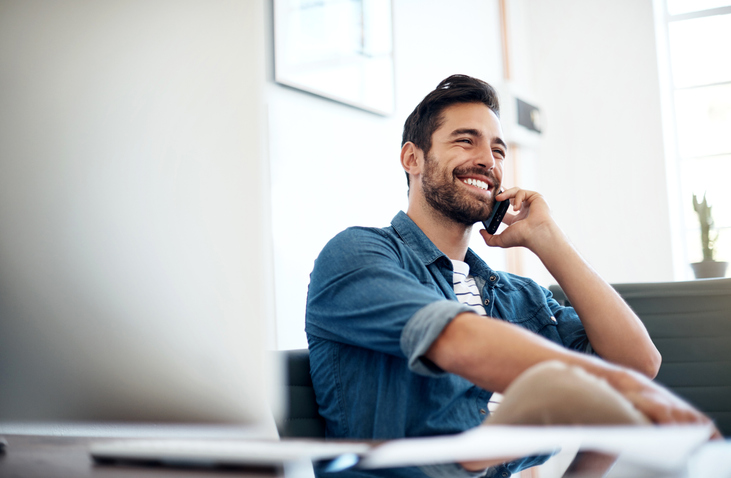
(490, 239)
(509, 218)
(666, 409)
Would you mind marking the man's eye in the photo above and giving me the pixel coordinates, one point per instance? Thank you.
(499, 152)
(465, 140)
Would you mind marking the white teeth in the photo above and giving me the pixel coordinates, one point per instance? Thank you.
(477, 183)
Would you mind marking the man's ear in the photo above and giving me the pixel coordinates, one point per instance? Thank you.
(412, 158)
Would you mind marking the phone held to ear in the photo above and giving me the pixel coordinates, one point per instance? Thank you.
(496, 216)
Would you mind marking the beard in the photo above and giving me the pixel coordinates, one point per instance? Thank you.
(446, 197)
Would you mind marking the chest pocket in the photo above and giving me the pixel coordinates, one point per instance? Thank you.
(528, 310)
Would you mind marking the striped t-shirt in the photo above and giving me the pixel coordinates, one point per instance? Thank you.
(465, 287)
(468, 293)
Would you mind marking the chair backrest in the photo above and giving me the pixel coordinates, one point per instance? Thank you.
(690, 324)
(302, 418)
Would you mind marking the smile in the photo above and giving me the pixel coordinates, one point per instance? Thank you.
(476, 183)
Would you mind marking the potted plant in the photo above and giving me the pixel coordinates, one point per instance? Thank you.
(708, 267)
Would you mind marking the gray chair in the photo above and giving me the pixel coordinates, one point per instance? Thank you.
(690, 324)
(301, 418)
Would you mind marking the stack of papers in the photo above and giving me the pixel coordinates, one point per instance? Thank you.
(658, 447)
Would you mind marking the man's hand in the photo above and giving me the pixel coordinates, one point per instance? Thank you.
(531, 224)
(657, 403)
(552, 393)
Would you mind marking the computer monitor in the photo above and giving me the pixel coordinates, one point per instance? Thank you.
(135, 256)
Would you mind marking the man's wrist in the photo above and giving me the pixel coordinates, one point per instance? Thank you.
(548, 241)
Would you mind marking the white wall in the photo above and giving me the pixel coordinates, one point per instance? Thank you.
(334, 166)
(593, 67)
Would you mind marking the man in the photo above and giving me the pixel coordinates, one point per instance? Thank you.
(397, 347)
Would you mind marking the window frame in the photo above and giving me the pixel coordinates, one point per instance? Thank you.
(678, 225)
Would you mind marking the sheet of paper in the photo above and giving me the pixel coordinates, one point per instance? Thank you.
(713, 460)
(661, 447)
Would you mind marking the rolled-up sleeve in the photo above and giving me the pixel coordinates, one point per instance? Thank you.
(423, 329)
(362, 295)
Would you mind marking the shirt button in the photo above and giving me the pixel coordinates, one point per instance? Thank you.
(487, 301)
(493, 278)
(553, 319)
(506, 473)
(482, 411)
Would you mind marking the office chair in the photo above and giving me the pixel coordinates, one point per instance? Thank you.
(302, 418)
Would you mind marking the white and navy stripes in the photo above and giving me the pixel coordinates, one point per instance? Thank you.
(465, 287)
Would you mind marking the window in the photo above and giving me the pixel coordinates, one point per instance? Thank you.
(698, 37)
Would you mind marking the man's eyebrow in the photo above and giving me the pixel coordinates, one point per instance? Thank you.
(477, 133)
(469, 131)
(500, 142)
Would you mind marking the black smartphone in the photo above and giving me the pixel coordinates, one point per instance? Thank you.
(496, 216)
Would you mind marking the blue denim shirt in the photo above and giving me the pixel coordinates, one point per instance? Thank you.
(377, 300)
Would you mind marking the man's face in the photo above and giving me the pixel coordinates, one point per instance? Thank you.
(464, 168)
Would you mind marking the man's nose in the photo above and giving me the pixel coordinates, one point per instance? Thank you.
(483, 158)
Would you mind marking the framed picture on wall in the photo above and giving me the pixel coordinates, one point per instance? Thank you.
(338, 49)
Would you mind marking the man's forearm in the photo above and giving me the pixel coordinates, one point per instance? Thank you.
(491, 353)
(614, 331)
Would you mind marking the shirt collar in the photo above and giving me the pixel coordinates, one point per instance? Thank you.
(415, 238)
(478, 267)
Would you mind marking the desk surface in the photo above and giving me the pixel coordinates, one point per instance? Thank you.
(67, 456)
(64, 456)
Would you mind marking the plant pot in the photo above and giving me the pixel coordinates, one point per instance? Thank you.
(709, 269)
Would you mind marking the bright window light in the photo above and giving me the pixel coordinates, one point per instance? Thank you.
(703, 117)
(699, 50)
(677, 7)
(698, 38)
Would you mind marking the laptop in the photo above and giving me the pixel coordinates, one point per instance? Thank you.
(135, 245)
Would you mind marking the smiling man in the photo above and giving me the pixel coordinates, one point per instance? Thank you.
(410, 332)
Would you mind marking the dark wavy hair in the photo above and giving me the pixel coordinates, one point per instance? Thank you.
(427, 116)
